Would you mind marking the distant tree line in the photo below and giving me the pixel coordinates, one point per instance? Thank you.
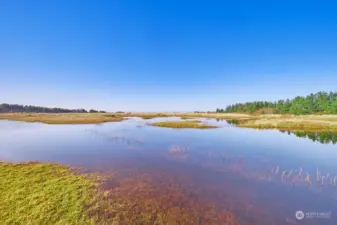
(15, 108)
(319, 103)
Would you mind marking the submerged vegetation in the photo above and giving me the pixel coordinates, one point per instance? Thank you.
(37, 193)
(321, 102)
(184, 124)
(63, 118)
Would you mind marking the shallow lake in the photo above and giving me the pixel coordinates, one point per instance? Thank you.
(262, 176)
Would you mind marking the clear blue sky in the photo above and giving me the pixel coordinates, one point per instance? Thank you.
(164, 55)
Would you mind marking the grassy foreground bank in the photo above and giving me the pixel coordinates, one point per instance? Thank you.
(35, 193)
(46, 193)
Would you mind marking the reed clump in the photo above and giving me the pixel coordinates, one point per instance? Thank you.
(177, 149)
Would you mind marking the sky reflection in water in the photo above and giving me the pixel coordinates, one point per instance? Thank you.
(276, 172)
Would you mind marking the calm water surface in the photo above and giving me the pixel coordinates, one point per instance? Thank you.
(263, 176)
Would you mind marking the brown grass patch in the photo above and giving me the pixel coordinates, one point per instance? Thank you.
(63, 118)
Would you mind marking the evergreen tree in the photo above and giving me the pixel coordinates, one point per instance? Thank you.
(321, 102)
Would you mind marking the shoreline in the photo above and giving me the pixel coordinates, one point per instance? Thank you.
(314, 123)
(53, 193)
(269, 121)
(62, 118)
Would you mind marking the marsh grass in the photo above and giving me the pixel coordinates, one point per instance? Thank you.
(267, 121)
(36, 193)
(187, 117)
(183, 115)
(183, 124)
(63, 118)
(295, 125)
(316, 123)
(177, 149)
(147, 116)
(48, 193)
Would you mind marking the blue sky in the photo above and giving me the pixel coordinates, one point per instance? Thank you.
(164, 55)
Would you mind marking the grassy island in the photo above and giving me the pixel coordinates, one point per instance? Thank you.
(184, 124)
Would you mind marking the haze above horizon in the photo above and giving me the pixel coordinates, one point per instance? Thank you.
(164, 55)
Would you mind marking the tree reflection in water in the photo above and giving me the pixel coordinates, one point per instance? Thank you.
(322, 137)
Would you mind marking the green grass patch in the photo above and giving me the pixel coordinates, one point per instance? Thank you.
(37, 193)
(184, 124)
